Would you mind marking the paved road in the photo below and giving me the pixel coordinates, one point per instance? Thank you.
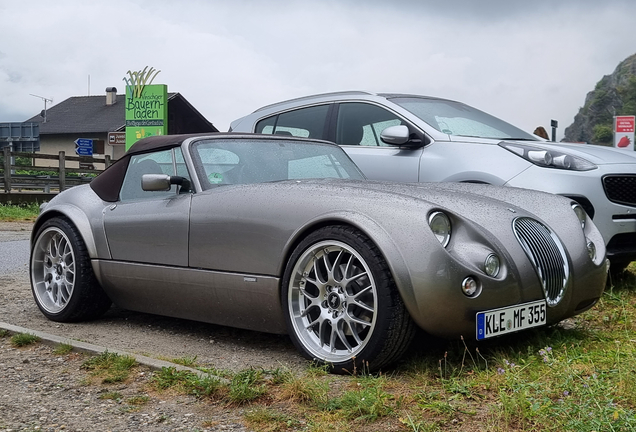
(14, 249)
(14, 256)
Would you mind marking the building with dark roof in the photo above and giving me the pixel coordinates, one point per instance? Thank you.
(94, 117)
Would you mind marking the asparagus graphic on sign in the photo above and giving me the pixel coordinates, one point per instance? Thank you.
(146, 106)
(137, 80)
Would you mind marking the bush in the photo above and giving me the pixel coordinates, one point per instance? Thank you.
(603, 134)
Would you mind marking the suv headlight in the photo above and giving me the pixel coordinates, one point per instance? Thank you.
(549, 158)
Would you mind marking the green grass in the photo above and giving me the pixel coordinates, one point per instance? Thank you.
(186, 361)
(270, 420)
(26, 212)
(20, 340)
(138, 400)
(113, 395)
(246, 386)
(110, 367)
(187, 382)
(63, 349)
(366, 402)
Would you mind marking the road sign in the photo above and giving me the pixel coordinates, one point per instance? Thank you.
(84, 151)
(84, 146)
(116, 138)
(84, 142)
(624, 132)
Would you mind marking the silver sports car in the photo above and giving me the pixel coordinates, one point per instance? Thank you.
(285, 235)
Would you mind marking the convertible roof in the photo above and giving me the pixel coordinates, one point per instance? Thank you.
(108, 183)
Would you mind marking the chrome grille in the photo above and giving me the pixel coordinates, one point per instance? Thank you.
(620, 189)
(547, 255)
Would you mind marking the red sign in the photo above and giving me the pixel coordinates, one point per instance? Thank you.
(624, 124)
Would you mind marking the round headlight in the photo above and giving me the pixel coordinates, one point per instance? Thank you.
(580, 213)
(441, 227)
(470, 286)
(492, 265)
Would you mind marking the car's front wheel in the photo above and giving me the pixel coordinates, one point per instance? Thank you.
(341, 304)
(62, 279)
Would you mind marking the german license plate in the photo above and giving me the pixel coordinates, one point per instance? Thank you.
(497, 322)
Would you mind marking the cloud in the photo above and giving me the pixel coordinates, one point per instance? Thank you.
(527, 62)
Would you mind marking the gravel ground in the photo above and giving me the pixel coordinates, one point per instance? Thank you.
(43, 391)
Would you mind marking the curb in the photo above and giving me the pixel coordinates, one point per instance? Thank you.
(78, 346)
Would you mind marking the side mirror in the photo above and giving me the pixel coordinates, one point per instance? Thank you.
(395, 135)
(163, 182)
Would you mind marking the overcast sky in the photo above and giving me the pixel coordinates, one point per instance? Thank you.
(526, 61)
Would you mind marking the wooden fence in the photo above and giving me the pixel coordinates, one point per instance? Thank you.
(48, 183)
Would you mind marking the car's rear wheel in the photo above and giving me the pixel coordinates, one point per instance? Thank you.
(62, 279)
(341, 304)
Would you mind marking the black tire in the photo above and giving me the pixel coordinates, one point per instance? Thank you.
(341, 304)
(62, 280)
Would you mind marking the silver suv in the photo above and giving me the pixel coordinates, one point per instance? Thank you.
(409, 138)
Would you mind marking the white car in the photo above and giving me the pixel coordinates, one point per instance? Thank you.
(409, 138)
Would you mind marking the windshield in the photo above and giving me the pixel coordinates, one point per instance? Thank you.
(455, 118)
(248, 161)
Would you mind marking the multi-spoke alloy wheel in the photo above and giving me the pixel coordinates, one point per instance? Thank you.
(341, 304)
(332, 298)
(53, 270)
(62, 279)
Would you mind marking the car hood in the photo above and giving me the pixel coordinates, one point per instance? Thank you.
(479, 202)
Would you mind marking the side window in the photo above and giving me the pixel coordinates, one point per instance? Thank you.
(305, 123)
(149, 163)
(362, 124)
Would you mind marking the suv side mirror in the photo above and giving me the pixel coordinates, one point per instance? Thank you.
(399, 136)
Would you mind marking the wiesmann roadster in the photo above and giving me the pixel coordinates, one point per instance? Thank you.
(285, 235)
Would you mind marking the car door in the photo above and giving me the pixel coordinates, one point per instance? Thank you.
(150, 226)
(357, 129)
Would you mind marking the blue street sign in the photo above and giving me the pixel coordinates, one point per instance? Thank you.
(84, 151)
(84, 142)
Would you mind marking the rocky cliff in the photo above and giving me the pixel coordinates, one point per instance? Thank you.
(614, 94)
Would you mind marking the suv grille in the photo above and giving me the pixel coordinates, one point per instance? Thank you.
(547, 255)
(620, 189)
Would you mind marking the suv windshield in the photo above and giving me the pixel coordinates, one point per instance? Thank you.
(455, 118)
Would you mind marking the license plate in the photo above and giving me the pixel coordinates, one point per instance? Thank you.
(501, 321)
